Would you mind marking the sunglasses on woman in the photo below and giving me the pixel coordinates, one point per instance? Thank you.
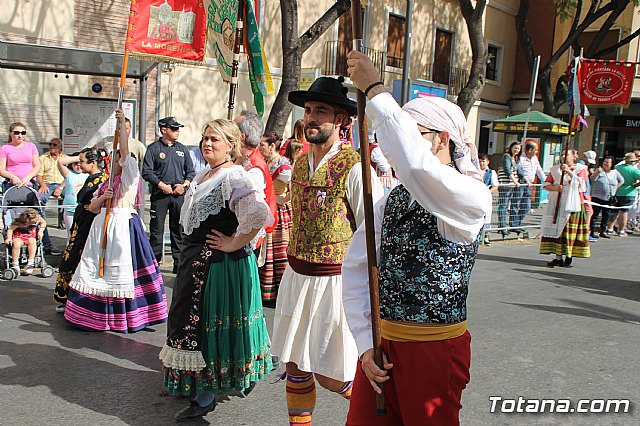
(18, 132)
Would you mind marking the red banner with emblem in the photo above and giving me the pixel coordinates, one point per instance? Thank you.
(168, 29)
(606, 82)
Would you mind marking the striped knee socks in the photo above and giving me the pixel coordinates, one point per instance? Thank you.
(345, 392)
(301, 399)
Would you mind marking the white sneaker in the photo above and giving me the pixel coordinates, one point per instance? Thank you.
(622, 234)
(16, 268)
(60, 309)
(28, 270)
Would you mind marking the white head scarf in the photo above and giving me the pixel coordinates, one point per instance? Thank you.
(440, 114)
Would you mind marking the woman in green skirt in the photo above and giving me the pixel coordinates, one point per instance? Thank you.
(217, 338)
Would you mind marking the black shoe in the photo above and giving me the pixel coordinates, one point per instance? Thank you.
(567, 262)
(52, 252)
(193, 411)
(555, 262)
(248, 390)
(175, 269)
(604, 235)
(275, 361)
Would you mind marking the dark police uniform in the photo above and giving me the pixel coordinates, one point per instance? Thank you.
(171, 165)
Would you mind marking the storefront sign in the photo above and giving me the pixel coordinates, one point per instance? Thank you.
(626, 122)
(531, 128)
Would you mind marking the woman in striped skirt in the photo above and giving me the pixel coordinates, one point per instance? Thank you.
(569, 235)
(129, 295)
(276, 243)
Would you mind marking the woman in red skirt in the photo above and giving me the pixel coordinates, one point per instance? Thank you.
(277, 242)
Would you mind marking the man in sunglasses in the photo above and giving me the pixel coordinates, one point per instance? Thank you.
(426, 236)
(168, 169)
(50, 182)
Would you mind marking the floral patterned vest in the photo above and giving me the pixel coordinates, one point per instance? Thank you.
(323, 223)
(423, 277)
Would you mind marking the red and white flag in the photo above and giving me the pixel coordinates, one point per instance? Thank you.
(168, 29)
(606, 82)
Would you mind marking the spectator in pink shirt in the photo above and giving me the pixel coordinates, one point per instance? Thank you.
(19, 159)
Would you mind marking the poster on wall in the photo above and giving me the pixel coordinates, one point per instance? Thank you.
(85, 122)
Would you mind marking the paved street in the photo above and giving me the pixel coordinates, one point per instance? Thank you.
(537, 333)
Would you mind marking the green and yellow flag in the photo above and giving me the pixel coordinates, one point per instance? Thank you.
(221, 23)
(259, 74)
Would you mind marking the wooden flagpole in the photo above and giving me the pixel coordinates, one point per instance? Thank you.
(372, 262)
(123, 80)
(566, 148)
(236, 59)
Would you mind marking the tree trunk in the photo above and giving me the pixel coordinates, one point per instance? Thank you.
(471, 91)
(544, 86)
(291, 63)
(293, 47)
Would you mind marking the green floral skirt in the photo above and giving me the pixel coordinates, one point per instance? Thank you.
(234, 340)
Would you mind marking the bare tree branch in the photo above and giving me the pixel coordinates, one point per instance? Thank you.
(606, 26)
(323, 23)
(616, 46)
(473, 18)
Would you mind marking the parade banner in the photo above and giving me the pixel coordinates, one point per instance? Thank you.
(259, 74)
(221, 24)
(605, 82)
(168, 29)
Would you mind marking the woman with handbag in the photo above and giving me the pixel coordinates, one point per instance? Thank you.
(509, 183)
(565, 231)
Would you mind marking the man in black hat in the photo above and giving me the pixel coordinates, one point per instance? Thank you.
(310, 330)
(168, 169)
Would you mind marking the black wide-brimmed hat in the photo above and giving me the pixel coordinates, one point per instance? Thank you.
(327, 90)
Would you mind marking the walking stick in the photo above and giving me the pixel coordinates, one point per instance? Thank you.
(236, 59)
(372, 267)
(103, 247)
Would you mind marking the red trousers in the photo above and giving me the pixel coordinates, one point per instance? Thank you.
(424, 388)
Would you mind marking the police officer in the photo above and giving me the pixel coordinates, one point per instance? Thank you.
(168, 169)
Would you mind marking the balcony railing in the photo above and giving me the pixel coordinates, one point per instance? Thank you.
(335, 58)
(453, 78)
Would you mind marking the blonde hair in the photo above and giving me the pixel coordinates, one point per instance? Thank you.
(230, 133)
(26, 218)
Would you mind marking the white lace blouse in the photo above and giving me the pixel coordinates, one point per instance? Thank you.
(232, 184)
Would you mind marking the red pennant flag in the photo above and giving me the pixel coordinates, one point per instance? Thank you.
(606, 82)
(167, 29)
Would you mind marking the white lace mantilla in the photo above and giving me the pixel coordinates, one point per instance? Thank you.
(235, 186)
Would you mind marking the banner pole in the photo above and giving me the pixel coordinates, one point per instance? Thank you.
(236, 59)
(103, 247)
(372, 267)
(532, 97)
(566, 148)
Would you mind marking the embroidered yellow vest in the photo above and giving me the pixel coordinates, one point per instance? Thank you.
(323, 223)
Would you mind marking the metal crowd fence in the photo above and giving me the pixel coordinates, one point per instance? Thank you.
(516, 211)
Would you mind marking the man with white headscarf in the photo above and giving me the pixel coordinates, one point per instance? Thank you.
(426, 240)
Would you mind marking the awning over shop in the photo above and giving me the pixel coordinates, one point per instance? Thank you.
(68, 60)
(539, 123)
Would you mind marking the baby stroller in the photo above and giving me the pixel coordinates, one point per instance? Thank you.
(14, 201)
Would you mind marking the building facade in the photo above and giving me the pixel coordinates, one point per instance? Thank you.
(440, 59)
